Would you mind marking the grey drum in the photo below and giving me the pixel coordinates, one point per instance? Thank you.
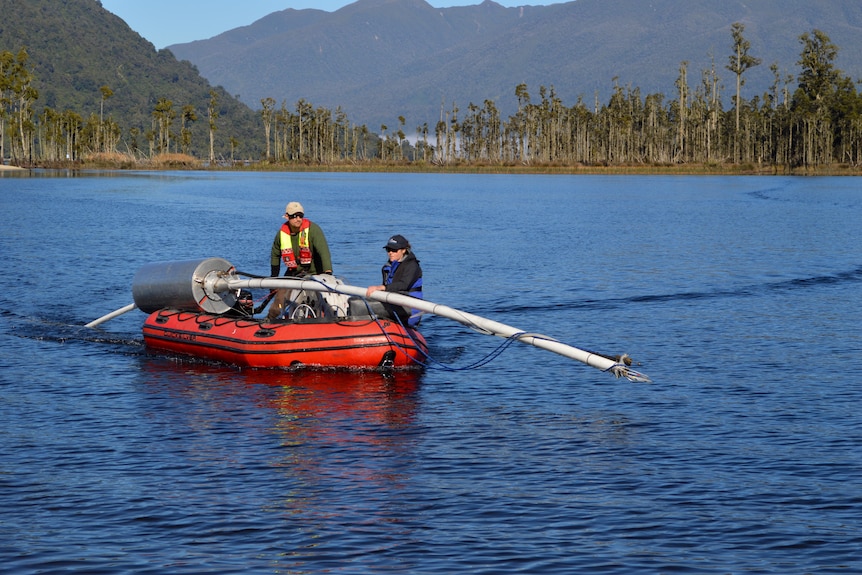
(182, 285)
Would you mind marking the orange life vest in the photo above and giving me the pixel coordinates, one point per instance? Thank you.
(287, 255)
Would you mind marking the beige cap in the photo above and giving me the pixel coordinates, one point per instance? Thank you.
(293, 208)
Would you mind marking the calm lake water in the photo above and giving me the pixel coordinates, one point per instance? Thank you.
(739, 296)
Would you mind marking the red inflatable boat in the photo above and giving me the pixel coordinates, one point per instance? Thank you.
(191, 312)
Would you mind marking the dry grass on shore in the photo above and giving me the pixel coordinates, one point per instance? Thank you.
(117, 160)
(174, 161)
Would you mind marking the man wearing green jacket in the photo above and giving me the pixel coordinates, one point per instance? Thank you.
(301, 245)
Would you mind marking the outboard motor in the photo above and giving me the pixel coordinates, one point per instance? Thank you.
(183, 285)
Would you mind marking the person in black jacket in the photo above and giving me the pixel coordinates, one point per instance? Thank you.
(244, 305)
(401, 274)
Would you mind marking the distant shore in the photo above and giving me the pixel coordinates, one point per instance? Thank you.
(184, 162)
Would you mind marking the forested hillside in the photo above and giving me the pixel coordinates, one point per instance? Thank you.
(87, 64)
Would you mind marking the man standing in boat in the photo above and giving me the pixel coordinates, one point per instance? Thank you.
(301, 245)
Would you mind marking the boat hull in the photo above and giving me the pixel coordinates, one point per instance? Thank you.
(360, 343)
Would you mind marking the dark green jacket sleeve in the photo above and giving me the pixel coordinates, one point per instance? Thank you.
(275, 254)
(320, 249)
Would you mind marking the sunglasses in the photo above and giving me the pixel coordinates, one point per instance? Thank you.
(296, 215)
(392, 249)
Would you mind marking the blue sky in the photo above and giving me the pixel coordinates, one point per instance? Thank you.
(166, 22)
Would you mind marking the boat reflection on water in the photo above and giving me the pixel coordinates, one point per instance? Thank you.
(305, 445)
(303, 404)
(372, 397)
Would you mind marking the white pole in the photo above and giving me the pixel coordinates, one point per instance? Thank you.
(491, 327)
(112, 315)
(218, 281)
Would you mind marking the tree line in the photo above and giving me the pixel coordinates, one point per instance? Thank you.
(52, 136)
(817, 123)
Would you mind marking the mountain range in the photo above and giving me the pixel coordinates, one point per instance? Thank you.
(381, 59)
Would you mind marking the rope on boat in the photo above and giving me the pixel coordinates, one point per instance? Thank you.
(432, 363)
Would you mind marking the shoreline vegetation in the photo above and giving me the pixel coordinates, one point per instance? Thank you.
(165, 162)
(814, 130)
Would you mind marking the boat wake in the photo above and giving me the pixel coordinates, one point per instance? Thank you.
(59, 331)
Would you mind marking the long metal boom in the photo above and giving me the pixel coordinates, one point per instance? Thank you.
(491, 327)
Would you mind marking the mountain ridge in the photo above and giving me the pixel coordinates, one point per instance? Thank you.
(380, 59)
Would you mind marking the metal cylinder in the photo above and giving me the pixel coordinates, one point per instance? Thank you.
(185, 285)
